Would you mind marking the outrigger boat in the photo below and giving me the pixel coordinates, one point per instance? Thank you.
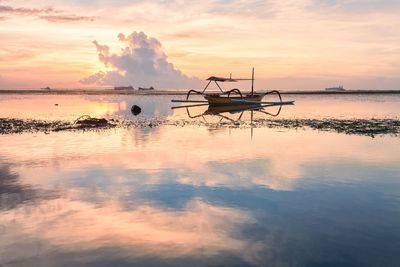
(233, 96)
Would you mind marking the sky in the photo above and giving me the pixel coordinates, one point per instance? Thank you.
(292, 44)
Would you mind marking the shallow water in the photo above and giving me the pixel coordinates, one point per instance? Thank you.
(174, 196)
(70, 107)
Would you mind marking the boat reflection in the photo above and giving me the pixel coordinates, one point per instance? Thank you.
(226, 111)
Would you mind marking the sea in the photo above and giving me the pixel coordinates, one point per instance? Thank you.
(203, 189)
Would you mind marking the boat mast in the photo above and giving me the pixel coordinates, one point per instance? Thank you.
(252, 82)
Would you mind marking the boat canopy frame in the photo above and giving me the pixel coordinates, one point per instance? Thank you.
(230, 79)
(228, 93)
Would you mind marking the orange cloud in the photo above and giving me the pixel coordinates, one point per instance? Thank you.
(49, 14)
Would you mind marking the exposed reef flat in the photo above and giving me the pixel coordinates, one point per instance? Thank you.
(10, 125)
(369, 127)
(178, 92)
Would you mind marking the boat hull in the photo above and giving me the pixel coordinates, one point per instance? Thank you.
(218, 100)
(217, 109)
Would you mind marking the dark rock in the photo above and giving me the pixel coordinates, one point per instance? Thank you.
(92, 121)
(136, 110)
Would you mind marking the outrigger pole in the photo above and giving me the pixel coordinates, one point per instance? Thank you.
(252, 82)
(238, 101)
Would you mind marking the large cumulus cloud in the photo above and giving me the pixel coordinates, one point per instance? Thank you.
(141, 62)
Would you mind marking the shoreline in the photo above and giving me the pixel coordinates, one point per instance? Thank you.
(176, 92)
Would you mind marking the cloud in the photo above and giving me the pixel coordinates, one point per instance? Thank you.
(257, 8)
(141, 62)
(357, 6)
(25, 11)
(49, 14)
(66, 18)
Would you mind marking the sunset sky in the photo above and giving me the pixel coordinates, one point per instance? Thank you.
(293, 44)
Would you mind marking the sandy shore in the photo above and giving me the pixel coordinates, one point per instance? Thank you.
(170, 92)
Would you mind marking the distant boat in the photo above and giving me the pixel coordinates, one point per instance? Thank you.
(146, 88)
(335, 89)
(124, 87)
(46, 88)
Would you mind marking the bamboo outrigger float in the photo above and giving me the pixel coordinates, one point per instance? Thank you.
(233, 96)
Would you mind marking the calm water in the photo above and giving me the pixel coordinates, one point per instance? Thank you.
(196, 195)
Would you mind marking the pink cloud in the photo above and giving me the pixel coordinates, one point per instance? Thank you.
(141, 62)
(66, 18)
(49, 14)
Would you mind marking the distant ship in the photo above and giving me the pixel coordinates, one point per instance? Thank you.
(124, 87)
(335, 89)
(145, 88)
(46, 88)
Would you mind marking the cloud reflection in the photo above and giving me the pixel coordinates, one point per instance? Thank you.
(13, 193)
(192, 155)
(75, 226)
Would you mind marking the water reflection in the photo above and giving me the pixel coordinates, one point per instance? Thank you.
(274, 158)
(193, 195)
(230, 113)
(71, 107)
(327, 106)
(74, 227)
(13, 193)
(220, 211)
